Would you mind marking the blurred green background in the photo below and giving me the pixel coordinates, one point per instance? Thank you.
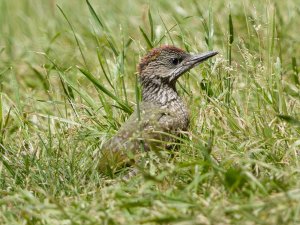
(30, 26)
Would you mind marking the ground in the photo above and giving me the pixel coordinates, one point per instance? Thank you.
(68, 81)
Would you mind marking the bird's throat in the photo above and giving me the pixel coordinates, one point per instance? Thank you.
(161, 94)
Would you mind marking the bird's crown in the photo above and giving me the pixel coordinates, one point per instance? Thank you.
(157, 52)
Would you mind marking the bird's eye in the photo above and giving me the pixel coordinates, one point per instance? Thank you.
(176, 61)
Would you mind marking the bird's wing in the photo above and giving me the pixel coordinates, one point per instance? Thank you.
(148, 131)
(152, 118)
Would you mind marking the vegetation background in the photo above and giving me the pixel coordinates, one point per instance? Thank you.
(68, 81)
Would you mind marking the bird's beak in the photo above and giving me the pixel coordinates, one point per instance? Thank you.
(190, 62)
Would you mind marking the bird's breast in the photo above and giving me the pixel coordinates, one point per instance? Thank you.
(180, 112)
(166, 97)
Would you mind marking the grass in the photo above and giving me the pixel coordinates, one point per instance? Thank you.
(68, 82)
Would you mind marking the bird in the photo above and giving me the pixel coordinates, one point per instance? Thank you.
(161, 115)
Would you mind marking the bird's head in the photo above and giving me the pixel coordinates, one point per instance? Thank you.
(167, 63)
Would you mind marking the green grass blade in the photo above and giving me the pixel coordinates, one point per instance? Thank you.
(99, 86)
(75, 36)
(229, 49)
(289, 119)
(5, 162)
(87, 98)
(151, 26)
(2, 50)
(231, 35)
(40, 77)
(210, 28)
(167, 30)
(103, 69)
(94, 14)
(108, 36)
(295, 70)
(146, 38)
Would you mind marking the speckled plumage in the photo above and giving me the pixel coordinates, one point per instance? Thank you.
(162, 111)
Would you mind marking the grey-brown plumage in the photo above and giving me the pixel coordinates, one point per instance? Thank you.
(162, 113)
